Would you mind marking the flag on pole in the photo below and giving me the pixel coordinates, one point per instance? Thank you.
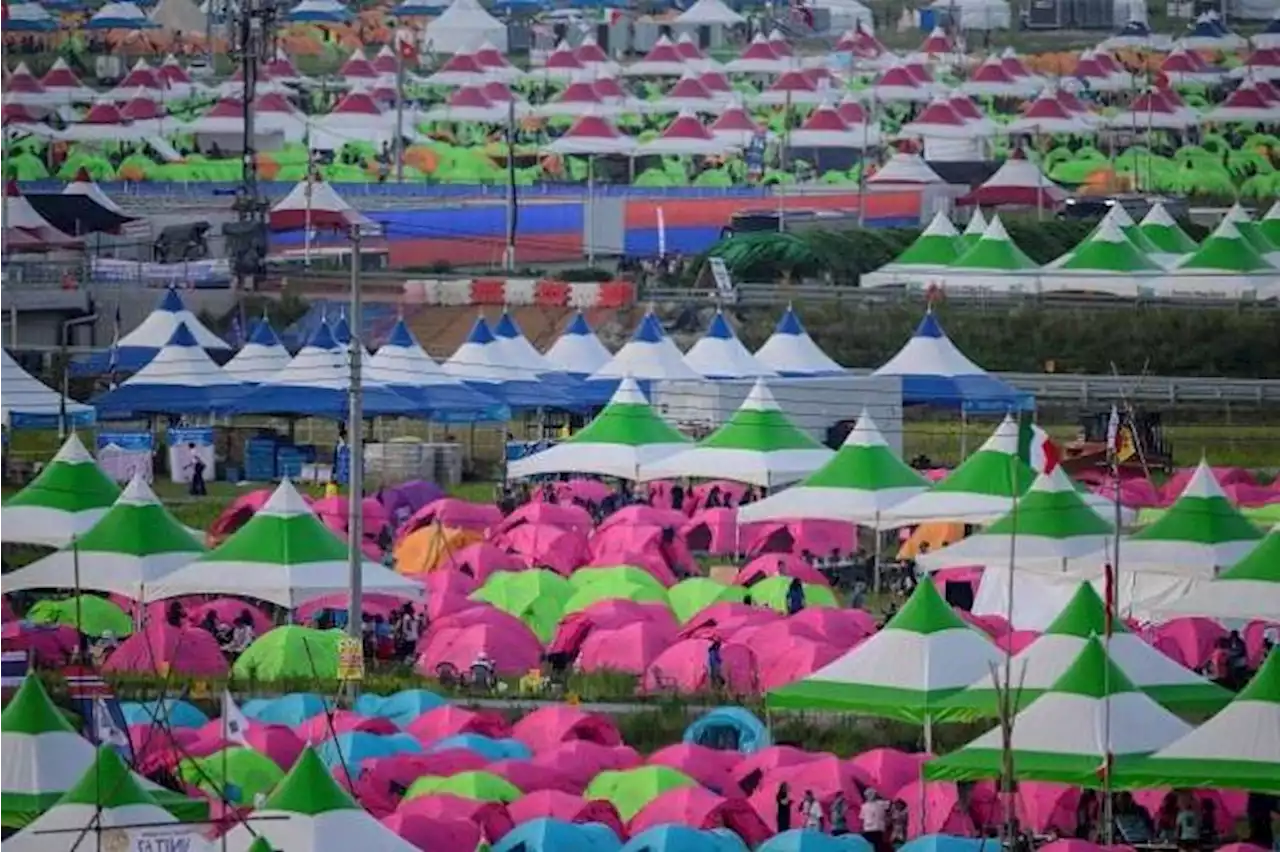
(1035, 447)
(234, 722)
(1109, 596)
(107, 730)
(237, 332)
(407, 46)
(1113, 432)
(113, 356)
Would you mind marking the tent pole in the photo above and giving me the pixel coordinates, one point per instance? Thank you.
(355, 449)
(875, 569)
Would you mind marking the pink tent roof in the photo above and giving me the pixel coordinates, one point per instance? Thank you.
(530, 777)
(826, 776)
(1229, 805)
(993, 625)
(492, 817)
(476, 562)
(385, 62)
(852, 112)
(160, 647)
(964, 107)
(724, 618)
(628, 649)
(60, 76)
(472, 615)
(1181, 62)
(825, 118)
(568, 516)
(1015, 641)
(1046, 106)
(889, 769)
(103, 112)
(1070, 101)
(780, 44)
(1015, 66)
(714, 81)
(141, 109)
(141, 76)
(641, 514)
(156, 747)
(940, 113)
(448, 720)
(1189, 641)
(751, 769)
(712, 768)
(512, 652)
(581, 760)
(575, 627)
(370, 604)
(587, 490)
(837, 626)
(778, 564)
(452, 512)
(358, 65)
(709, 530)
(565, 806)
(991, 71)
(467, 63)
(1043, 806)
(1108, 61)
(589, 52)
(553, 724)
(760, 49)
(608, 88)
(792, 81)
(380, 776)
(578, 92)
(542, 545)
(1266, 57)
(943, 812)
(426, 832)
(328, 209)
(686, 47)
(22, 80)
(497, 92)
(735, 118)
(171, 71)
(936, 43)
(564, 59)
(1091, 67)
(226, 611)
(335, 513)
(319, 727)
(1225, 476)
(16, 112)
(470, 96)
(682, 668)
(786, 664)
(663, 51)
(689, 86)
(357, 102)
(21, 218)
(699, 808)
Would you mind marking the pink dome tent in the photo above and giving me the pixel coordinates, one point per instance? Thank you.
(476, 562)
(750, 770)
(449, 720)
(712, 768)
(160, 647)
(724, 618)
(1189, 641)
(334, 512)
(426, 832)
(322, 726)
(565, 516)
(699, 808)
(799, 658)
(779, 565)
(568, 807)
(816, 536)
(1044, 806)
(512, 652)
(682, 668)
(549, 726)
(888, 769)
(712, 531)
(837, 626)
(630, 649)
(581, 760)
(610, 614)
(531, 777)
(381, 778)
(543, 545)
(492, 818)
(226, 611)
(943, 812)
(452, 512)
(1017, 183)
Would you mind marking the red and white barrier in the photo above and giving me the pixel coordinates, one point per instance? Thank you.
(519, 292)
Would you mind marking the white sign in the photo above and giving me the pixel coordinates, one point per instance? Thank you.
(177, 838)
(720, 272)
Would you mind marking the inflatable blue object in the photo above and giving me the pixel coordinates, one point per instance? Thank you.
(949, 843)
(352, 748)
(729, 729)
(556, 835)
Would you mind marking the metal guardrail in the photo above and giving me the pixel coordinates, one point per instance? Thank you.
(765, 295)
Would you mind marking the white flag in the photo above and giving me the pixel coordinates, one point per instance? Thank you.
(1113, 431)
(234, 723)
(104, 725)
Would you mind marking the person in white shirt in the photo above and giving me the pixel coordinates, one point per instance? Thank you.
(811, 811)
(875, 819)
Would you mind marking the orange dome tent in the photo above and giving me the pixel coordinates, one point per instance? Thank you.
(423, 551)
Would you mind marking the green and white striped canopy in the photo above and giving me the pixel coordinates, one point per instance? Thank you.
(1092, 716)
(1250, 589)
(622, 438)
(937, 246)
(758, 445)
(1165, 233)
(863, 479)
(923, 656)
(68, 497)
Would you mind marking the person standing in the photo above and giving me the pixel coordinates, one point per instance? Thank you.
(875, 820)
(783, 803)
(197, 487)
(839, 815)
(1188, 823)
(811, 810)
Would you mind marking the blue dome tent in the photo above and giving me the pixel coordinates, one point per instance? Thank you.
(729, 729)
(404, 366)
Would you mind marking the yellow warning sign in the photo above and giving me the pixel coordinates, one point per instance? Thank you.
(350, 659)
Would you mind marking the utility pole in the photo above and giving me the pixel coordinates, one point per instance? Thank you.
(398, 148)
(247, 237)
(509, 256)
(355, 450)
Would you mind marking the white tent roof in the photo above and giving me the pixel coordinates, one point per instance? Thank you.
(578, 351)
(790, 351)
(260, 358)
(24, 396)
(158, 328)
(905, 168)
(647, 356)
(464, 27)
(709, 12)
(721, 355)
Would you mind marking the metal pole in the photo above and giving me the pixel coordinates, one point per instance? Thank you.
(591, 231)
(355, 449)
(306, 220)
(399, 143)
(781, 188)
(509, 256)
(4, 151)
